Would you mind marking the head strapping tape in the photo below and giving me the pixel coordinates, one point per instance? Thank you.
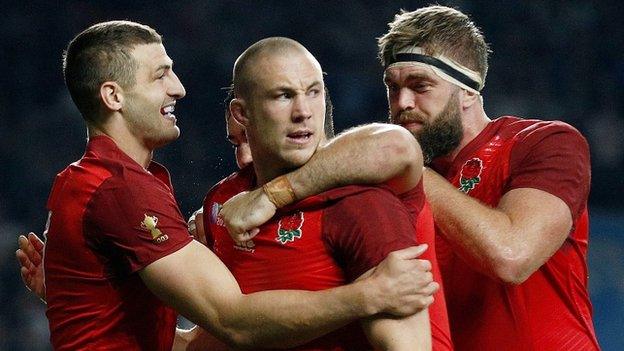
(441, 65)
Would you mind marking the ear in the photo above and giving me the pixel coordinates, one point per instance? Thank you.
(111, 95)
(468, 98)
(237, 110)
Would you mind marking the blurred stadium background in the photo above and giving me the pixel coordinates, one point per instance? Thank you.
(551, 60)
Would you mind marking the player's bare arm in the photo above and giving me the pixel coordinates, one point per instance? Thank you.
(284, 318)
(508, 242)
(196, 339)
(406, 333)
(392, 155)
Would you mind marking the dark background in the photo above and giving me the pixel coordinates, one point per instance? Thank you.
(551, 60)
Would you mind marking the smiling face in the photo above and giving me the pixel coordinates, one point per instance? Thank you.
(149, 104)
(427, 106)
(285, 110)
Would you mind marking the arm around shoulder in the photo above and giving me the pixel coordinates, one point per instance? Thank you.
(369, 154)
(194, 282)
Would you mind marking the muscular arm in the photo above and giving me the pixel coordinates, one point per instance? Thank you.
(408, 333)
(549, 182)
(196, 339)
(508, 242)
(369, 154)
(208, 295)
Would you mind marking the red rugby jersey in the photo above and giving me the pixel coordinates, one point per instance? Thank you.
(321, 242)
(550, 310)
(425, 234)
(109, 217)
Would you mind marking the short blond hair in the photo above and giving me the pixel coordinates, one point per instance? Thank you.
(439, 30)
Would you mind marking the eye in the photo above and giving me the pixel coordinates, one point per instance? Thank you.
(314, 92)
(420, 87)
(284, 96)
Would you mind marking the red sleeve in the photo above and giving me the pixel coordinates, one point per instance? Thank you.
(362, 229)
(134, 223)
(414, 199)
(553, 157)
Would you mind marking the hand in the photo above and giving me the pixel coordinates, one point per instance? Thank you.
(245, 212)
(402, 284)
(196, 226)
(30, 255)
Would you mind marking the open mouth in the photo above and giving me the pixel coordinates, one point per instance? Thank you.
(167, 112)
(300, 137)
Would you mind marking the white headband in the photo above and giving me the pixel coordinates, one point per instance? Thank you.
(441, 65)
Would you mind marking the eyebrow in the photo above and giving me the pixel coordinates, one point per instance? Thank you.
(289, 88)
(411, 77)
(164, 66)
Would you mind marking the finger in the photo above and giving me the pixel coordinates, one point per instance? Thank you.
(36, 242)
(248, 235)
(432, 288)
(426, 300)
(25, 276)
(23, 259)
(192, 228)
(33, 255)
(424, 265)
(199, 224)
(242, 237)
(22, 242)
(410, 252)
(253, 232)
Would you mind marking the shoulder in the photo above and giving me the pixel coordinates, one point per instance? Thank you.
(536, 130)
(231, 185)
(364, 204)
(358, 195)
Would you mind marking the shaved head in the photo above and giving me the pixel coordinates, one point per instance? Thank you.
(244, 68)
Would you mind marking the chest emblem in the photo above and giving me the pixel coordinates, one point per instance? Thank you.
(149, 223)
(469, 176)
(289, 228)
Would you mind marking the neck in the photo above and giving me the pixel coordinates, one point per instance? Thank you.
(265, 173)
(474, 120)
(115, 128)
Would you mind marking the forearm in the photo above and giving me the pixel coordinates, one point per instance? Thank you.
(467, 224)
(509, 242)
(409, 333)
(208, 295)
(196, 339)
(369, 154)
(290, 318)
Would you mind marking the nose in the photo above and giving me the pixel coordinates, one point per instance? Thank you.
(405, 99)
(301, 108)
(176, 89)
